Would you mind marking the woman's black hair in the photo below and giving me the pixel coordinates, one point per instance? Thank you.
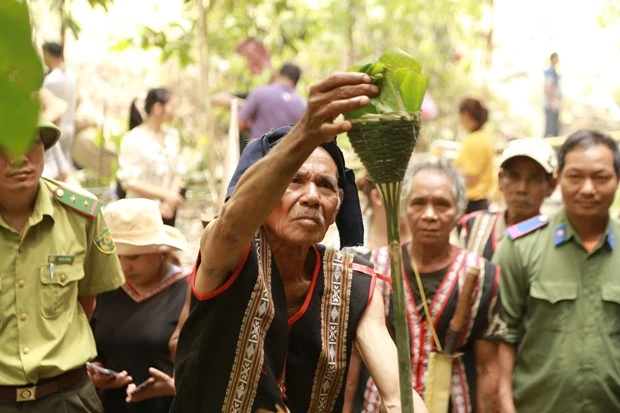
(156, 95)
(476, 110)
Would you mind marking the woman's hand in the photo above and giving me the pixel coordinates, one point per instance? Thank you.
(174, 199)
(104, 381)
(162, 386)
(167, 210)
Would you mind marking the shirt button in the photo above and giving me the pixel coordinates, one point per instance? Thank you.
(23, 317)
(26, 350)
(20, 249)
(21, 283)
(63, 278)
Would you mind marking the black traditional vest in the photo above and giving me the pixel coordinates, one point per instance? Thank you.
(239, 352)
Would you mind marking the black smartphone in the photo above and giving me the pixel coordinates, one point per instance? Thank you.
(102, 370)
(146, 383)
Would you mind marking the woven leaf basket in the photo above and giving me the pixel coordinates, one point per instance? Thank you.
(385, 143)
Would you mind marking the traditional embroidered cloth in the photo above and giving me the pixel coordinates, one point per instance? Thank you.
(481, 231)
(442, 304)
(239, 351)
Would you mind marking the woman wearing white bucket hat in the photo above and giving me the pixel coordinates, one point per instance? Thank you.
(132, 325)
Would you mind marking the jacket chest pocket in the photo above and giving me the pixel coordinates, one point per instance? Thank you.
(552, 304)
(59, 288)
(610, 293)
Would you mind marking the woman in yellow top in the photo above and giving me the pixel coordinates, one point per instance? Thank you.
(475, 159)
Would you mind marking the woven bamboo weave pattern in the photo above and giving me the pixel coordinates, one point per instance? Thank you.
(384, 144)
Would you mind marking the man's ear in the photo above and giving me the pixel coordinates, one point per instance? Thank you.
(553, 182)
(340, 198)
(500, 176)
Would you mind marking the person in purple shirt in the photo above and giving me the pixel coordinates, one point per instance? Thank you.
(273, 105)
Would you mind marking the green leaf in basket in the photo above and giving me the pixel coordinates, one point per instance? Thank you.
(401, 84)
(398, 58)
(369, 65)
(411, 86)
(21, 74)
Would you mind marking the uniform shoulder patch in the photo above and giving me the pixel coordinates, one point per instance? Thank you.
(526, 227)
(104, 242)
(80, 203)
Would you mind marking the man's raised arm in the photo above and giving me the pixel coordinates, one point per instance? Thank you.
(259, 190)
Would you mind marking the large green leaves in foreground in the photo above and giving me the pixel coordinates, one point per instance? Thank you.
(21, 75)
(401, 83)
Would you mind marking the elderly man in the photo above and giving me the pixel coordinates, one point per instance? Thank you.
(57, 256)
(526, 178)
(274, 315)
(560, 292)
(433, 199)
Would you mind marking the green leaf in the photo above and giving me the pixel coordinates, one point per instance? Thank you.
(121, 45)
(401, 84)
(369, 65)
(21, 75)
(411, 87)
(397, 58)
(102, 3)
(73, 25)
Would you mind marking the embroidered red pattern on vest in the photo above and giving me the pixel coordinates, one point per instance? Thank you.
(250, 350)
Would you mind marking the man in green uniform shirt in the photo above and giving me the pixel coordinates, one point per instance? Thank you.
(57, 255)
(560, 292)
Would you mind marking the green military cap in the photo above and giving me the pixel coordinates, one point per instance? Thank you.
(49, 133)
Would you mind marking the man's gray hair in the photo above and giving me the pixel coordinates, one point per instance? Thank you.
(441, 165)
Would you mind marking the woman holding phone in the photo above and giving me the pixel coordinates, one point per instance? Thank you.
(133, 324)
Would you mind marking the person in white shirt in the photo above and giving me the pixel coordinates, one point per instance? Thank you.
(149, 160)
(63, 83)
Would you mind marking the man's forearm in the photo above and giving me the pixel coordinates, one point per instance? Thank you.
(487, 374)
(506, 357)
(486, 397)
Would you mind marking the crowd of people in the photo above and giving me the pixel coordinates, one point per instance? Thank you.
(99, 315)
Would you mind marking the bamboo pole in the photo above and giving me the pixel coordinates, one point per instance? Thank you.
(390, 195)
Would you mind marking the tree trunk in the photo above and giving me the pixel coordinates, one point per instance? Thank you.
(207, 126)
(352, 9)
(63, 24)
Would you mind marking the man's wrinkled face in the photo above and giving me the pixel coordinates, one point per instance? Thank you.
(431, 208)
(23, 173)
(310, 204)
(588, 181)
(525, 185)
